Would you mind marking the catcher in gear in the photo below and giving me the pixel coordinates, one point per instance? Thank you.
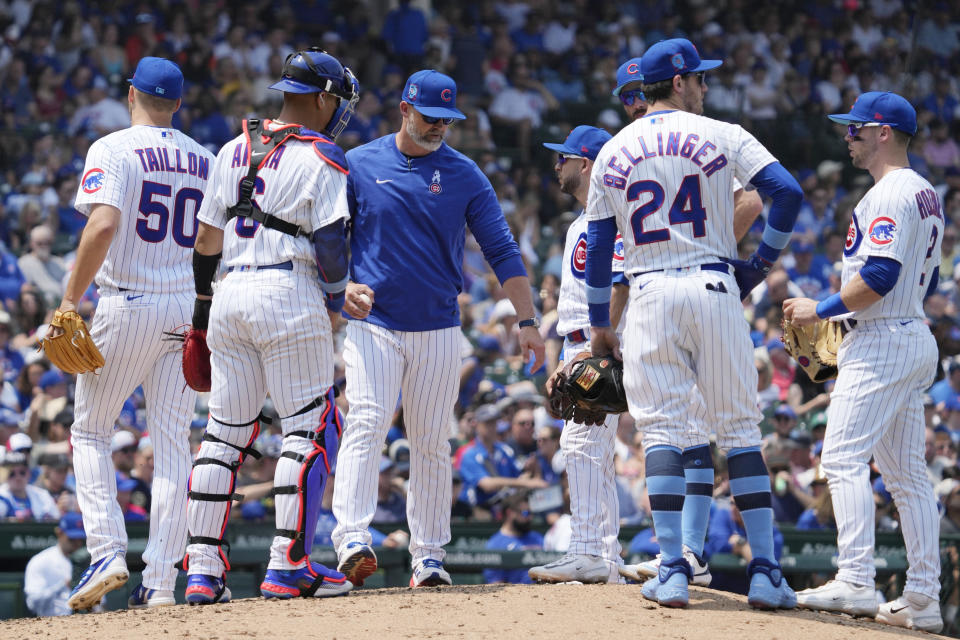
(68, 344)
(814, 347)
(587, 389)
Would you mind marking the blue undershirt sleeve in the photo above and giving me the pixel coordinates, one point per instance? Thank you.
(880, 274)
(934, 281)
(601, 235)
(775, 182)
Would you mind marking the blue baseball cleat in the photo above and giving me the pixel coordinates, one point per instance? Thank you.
(104, 575)
(768, 589)
(311, 581)
(669, 587)
(143, 598)
(203, 589)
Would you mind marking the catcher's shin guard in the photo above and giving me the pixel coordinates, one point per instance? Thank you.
(309, 455)
(211, 486)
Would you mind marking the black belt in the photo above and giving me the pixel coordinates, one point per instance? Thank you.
(578, 336)
(282, 266)
(847, 325)
(710, 266)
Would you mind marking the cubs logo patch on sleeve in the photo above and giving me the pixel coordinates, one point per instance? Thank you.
(853, 237)
(93, 180)
(882, 231)
(578, 259)
(618, 249)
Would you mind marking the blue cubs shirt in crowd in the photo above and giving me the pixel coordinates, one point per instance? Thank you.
(408, 222)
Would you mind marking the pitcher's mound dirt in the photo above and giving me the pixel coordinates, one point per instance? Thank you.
(542, 611)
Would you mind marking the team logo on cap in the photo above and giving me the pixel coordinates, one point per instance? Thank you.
(412, 91)
(578, 259)
(93, 180)
(677, 61)
(882, 230)
(633, 68)
(446, 95)
(435, 182)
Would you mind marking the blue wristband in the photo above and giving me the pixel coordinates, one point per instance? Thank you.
(832, 306)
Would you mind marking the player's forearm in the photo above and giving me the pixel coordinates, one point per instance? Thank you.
(618, 301)
(209, 240)
(517, 289)
(854, 296)
(92, 250)
(747, 205)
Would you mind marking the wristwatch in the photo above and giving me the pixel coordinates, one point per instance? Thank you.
(530, 322)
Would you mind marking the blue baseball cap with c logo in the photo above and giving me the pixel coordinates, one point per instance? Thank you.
(433, 94)
(668, 58)
(583, 141)
(158, 77)
(628, 72)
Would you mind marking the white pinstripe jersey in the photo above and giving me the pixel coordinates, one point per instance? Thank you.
(668, 178)
(296, 185)
(156, 177)
(572, 305)
(899, 218)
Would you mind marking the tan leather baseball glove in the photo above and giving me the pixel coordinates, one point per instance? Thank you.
(814, 347)
(73, 351)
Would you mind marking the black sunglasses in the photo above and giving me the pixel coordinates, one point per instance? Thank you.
(701, 76)
(629, 97)
(433, 120)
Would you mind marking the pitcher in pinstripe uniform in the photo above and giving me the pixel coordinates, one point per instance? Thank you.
(666, 182)
(594, 551)
(272, 209)
(887, 360)
(141, 188)
(410, 198)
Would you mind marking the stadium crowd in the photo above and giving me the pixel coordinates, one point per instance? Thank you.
(527, 71)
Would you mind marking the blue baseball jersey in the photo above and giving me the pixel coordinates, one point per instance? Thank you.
(503, 542)
(477, 463)
(408, 218)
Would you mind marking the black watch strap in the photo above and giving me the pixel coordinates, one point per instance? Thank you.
(529, 322)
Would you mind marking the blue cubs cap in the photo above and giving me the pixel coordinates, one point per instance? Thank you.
(628, 72)
(668, 58)
(71, 524)
(584, 141)
(881, 107)
(786, 411)
(51, 378)
(158, 77)
(432, 94)
(125, 483)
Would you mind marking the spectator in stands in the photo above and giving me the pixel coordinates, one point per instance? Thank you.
(941, 102)
(787, 498)
(49, 574)
(820, 514)
(784, 422)
(391, 500)
(142, 474)
(548, 443)
(514, 535)
(937, 35)
(42, 269)
(940, 150)
(949, 387)
(11, 361)
(29, 317)
(405, 32)
(521, 439)
(11, 278)
(805, 274)
(488, 467)
(726, 534)
(55, 469)
(123, 449)
(950, 522)
(520, 107)
(131, 512)
(20, 500)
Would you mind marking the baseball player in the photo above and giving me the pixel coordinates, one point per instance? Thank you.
(274, 211)
(886, 360)
(697, 461)
(410, 198)
(594, 551)
(666, 181)
(141, 189)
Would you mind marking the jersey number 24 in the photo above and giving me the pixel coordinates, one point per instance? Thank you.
(687, 208)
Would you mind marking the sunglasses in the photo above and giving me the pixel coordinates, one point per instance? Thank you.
(131, 449)
(629, 97)
(854, 127)
(563, 157)
(432, 120)
(524, 423)
(700, 75)
(19, 472)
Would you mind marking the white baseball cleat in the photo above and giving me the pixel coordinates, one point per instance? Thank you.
(143, 598)
(913, 611)
(842, 597)
(104, 575)
(573, 567)
(650, 568)
(430, 573)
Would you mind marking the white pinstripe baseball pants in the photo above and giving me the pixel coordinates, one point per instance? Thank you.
(594, 507)
(382, 364)
(129, 334)
(680, 336)
(876, 408)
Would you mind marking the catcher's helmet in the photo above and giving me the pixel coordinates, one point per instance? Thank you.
(315, 70)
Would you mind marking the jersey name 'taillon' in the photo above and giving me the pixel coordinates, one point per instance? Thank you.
(156, 177)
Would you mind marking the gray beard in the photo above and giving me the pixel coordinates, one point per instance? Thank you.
(419, 140)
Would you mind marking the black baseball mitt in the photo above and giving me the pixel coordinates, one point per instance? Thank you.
(587, 389)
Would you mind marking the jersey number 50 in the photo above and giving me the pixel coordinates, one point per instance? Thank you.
(687, 208)
(154, 215)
